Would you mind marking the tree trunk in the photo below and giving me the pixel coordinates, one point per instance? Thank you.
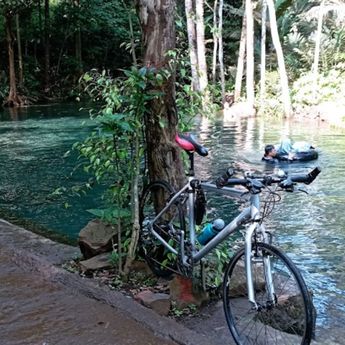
(46, 46)
(240, 62)
(263, 53)
(78, 54)
(39, 18)
(220, 52)
(192, 44)
(135, 205)
(134, 56)
(20, 55)
(163, 155)
(280, 57)
(315, 69)
(215, 42)
(200, 39)
(13, 100)
(250, 54)
(41, 32)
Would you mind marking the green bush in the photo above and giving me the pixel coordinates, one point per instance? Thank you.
(330, 88)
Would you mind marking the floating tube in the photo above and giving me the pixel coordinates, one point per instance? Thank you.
(297, 157)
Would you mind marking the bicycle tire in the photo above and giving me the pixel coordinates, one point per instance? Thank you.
(289, 320)
(154, 198)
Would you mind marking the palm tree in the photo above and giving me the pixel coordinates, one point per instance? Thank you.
(263, 52)
(280, 57)
(325, 7)
(240, 61)
(191, 32)
(200, 39)
(220, 52)
(250, 54)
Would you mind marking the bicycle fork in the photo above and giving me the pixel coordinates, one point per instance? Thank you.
(266, 263)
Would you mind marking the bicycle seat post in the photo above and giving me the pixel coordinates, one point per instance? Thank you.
(191, 161)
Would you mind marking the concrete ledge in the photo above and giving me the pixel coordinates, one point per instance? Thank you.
(38, 254)
(42, 256)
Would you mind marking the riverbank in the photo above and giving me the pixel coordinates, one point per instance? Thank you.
(32, 258)
(40, 260)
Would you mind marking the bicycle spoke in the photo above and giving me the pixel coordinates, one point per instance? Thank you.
(286, 319)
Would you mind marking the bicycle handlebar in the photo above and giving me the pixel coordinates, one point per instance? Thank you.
(307, 179)
(285, 181)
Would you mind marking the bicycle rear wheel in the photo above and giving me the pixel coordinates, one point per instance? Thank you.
(155, 197)
(287, 318)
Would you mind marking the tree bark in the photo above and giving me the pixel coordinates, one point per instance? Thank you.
(191, 31)
(46, 46)
(263, 53)
(134, 56)
(135, 206)
(39, 18)
(215, 42)
(200, 39)
(240, 62)
(220, 52)
(250, 54)
(78, 53)
(317, 47)
(20, 55)
(163, 156)
(13, 100)
(280, 57)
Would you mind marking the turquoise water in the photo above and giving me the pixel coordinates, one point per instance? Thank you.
(33, 142)
(309, 227)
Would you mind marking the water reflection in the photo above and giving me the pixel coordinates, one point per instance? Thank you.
(308, 227)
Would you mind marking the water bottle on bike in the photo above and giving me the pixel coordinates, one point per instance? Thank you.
(210, 230)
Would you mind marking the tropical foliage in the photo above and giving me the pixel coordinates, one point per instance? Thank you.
(57, 49)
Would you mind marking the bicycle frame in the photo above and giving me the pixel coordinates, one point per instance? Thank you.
(250, 214)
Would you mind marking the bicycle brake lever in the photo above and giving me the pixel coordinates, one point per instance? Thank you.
(302, 190)
(287, 185)
(243, 194)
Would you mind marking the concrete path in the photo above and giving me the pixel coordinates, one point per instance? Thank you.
(43, 304)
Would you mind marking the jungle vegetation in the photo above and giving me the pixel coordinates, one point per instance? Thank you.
(153, 65)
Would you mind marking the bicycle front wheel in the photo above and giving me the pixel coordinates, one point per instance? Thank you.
(155, 197)
(283, 313)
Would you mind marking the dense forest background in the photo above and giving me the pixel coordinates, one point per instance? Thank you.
(47, 45)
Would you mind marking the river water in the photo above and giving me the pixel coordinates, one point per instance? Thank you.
(33, 142)
(308, 227)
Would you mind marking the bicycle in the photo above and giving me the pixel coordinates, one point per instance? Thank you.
(265, 298)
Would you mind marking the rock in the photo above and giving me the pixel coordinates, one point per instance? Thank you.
(238, 284)
(159, 302)
(142, 267)
(238, 110)
(96, 238)
(97, 262)
(287, 316)
(184, 293)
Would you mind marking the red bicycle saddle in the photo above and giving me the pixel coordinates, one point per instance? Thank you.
(188, 142)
